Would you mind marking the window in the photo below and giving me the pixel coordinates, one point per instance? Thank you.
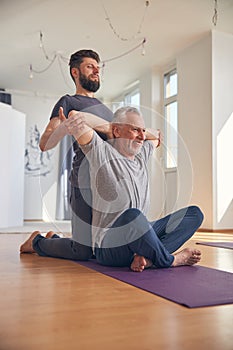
(133, 99)
(171, 119)
(130, 99)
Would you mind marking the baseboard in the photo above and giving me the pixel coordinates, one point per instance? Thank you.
(215, 231)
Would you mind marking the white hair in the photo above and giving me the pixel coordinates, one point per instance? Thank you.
(120, 114)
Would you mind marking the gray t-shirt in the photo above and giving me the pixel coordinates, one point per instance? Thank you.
(117, 183)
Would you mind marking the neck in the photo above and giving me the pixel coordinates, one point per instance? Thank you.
(83, 92)
(121, 150)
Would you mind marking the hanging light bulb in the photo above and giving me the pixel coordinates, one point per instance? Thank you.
(102, 72)
(31, 72)
(143, 47)
(215, 16)
(138, 32)
(41, 40)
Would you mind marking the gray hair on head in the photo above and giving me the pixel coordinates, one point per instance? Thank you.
(120, 115)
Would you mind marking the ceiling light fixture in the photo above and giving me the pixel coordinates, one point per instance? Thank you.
(147, 3)
(61, 59)
(215, 16)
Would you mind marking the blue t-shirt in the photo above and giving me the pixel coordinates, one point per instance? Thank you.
(82, 104)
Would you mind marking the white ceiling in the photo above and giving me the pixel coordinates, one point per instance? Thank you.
(70, 25)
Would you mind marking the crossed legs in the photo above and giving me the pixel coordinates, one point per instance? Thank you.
(134, 242)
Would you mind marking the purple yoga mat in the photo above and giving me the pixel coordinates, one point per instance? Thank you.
(227, 245)
(192, 286)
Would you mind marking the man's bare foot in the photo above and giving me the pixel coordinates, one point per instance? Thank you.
(186, 256)
(140, 263)
(50, 234)
(26, 247)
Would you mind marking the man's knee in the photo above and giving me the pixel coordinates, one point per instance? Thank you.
(198, 214)
(132, 214)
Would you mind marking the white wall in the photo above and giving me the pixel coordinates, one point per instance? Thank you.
(195, 126)
(151, 107)
(12, 139)
(40, 185)
(222, 133)
(205, 75)
(205, 125)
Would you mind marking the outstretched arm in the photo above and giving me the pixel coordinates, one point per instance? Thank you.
(81, 126)
(54, 132)
(154, 136)
(60, 126)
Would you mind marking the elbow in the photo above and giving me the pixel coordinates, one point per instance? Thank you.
(42, 147)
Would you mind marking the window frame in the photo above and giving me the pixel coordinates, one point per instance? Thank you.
(166, 102)
(123, 100)
(129, 95)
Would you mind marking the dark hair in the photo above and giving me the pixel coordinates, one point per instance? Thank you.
(77, 58)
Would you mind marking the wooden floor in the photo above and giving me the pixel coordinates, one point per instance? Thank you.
(54, 304)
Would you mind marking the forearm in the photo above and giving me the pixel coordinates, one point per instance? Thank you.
(154, 135)
(50, 138)
(82, 126)
(85, 136)
(54, 132)
(98, 124)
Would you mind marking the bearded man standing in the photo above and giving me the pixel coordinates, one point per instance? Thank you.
(84, 71)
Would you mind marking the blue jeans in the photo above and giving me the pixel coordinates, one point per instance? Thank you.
(135, 234)
(154, 240)
(81, 221)
(80, 246)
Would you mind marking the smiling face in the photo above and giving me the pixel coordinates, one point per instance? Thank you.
(129, 134)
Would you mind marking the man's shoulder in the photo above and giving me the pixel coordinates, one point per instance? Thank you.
(80, 98)
(82, 103)
(65, 100)
(146, 150)
(148, 144)
(66, 97)
(75, 97)
(98, 146)
(70, 102)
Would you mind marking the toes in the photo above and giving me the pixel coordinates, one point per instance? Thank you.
(137, 268)
(196, 252)
(49, 234)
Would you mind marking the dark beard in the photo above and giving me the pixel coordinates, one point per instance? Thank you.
(87, 84)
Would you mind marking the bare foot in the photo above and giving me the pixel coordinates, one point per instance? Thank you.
(187, 256)
(140, 263)
(26, 247)
(50, 234)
